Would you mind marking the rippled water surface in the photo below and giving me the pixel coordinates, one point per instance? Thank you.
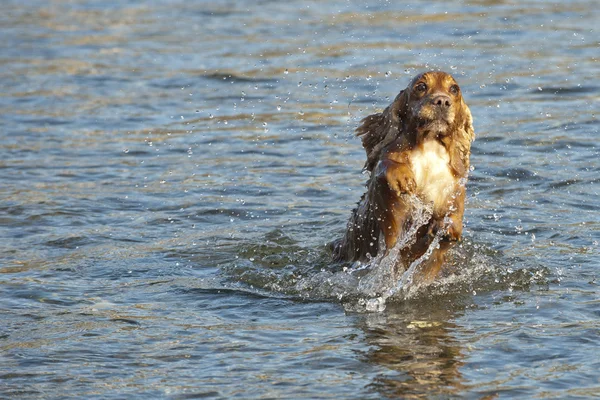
(171, 172)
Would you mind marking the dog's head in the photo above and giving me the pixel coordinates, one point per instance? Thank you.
(435, 106)
(431, 107)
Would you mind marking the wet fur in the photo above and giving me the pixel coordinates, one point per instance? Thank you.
(418, 146)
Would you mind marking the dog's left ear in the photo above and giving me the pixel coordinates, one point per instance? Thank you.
(378, 130)
(463, 136)
(469, 132)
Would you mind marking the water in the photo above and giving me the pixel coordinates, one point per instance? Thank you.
(172, 172)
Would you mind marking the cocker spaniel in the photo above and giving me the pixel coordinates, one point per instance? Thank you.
(419, 146)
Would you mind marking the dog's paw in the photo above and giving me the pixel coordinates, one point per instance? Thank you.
(398, 177)
(401, 182)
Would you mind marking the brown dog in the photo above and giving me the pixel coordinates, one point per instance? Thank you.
(418, 146)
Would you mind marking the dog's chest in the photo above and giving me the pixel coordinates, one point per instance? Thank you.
(431, 168)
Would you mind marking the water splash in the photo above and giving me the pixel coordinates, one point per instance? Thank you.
(279, 265)
(383, 279)
(369, 286)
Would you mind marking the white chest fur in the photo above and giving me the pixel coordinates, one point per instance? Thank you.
(431, 168)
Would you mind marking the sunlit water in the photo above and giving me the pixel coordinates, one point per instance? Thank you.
(172, 172)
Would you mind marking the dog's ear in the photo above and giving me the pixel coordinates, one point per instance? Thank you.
(464, 134)
(468, 132)
(378, 130)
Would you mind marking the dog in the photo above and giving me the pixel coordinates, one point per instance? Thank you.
(419, 146)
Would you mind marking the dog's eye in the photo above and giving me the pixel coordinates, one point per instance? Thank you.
(454, 89)
(421, 87)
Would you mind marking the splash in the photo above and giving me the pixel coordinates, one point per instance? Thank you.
(382, 280)
(387, 276)
(279, 266)
(368, 286)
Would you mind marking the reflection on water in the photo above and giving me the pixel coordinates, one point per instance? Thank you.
(172, 172)
(418, 350)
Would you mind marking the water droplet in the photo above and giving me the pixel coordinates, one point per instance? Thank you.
(211, 116)
(519, 227)
(540, 89)
(299, 84)
(388, 73)
(286, 71)
(126, 151)
(278, 108)
(375, 305)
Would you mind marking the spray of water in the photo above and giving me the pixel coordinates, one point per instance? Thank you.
(387, 276)
(280, 267)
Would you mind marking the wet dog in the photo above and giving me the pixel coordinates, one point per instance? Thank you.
(419, 146)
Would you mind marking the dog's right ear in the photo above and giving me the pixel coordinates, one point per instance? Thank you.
(378, 130)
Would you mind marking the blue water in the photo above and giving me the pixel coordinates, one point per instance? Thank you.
(171, 172)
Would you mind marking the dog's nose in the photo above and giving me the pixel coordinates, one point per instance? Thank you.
(442, 101)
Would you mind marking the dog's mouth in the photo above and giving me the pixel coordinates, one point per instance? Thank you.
(434, 119)
(437, 127)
